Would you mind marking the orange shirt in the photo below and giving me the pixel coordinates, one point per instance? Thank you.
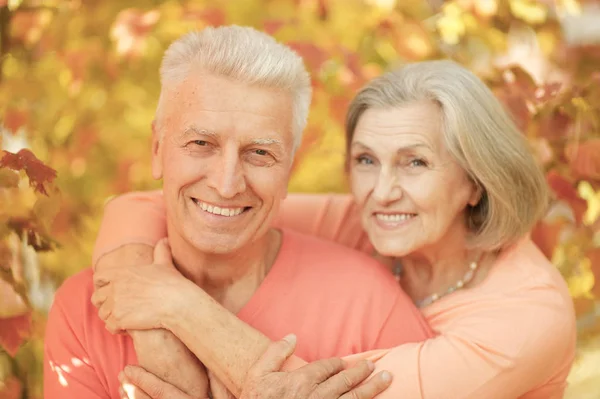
(336, 300)
(512, 336)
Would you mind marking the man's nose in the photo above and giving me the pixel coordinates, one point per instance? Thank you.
(387, 188)
(227, 177)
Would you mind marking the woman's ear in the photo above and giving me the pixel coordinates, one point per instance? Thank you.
(476, 194)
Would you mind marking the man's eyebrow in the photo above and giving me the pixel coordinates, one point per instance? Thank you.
(195, 130)
(272, 142)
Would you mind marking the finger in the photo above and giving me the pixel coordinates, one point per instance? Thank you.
(319, 371)
(274, 356)
(345, 380)
(99, 296)
(101, 278)
(162, 252)
(153, 386)
(218, 389)
(129, 391)
(373, 387)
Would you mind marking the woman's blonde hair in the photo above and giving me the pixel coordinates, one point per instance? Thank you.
(480, 136)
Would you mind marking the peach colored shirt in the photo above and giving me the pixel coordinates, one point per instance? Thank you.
(512, 336)
(337, 301)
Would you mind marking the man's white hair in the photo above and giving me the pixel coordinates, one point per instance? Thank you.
(243, 54)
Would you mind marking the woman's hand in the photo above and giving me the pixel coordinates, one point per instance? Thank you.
(139, 297)
(323, 379)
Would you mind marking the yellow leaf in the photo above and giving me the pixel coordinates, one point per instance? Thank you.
(451, 25)
(14, 4)
(582, 281)
(586, 191)
(529, 11)
(8, 178)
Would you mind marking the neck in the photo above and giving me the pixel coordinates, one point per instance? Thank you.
(434, 269)
(231, 279)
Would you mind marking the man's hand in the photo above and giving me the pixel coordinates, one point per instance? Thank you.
(139, 297)
(323, 379)
(137, 383)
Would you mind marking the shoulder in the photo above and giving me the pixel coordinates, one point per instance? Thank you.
(76, 291)
(521, 311)
(72, 306)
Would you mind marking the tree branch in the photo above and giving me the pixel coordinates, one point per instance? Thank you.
(4, 37)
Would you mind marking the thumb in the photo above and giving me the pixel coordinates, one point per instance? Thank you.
(274, 357)
(162, 252)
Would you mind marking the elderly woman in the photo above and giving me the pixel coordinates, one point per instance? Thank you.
(444, 191)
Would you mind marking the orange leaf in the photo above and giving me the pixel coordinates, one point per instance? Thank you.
(12, 304)
(271, 26)
(13, 388)
(546, 236)
(338, 105)
(14, 331)
(214, 16)
(15, 119)
(565, 191)
(36, 170)
(584, 158)
(313, 55)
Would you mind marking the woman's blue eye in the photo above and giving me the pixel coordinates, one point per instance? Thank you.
(364, 160)
(417, 162)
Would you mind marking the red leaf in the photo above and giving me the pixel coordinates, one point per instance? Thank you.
(565, 191)
(554, 125)
(36, 170)
(313, 55)
(584, 158)
(14, 331)
(14, 119)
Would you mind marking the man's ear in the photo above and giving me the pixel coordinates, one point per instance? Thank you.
(157, 145)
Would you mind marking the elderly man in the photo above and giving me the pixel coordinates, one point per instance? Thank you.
(231, 112)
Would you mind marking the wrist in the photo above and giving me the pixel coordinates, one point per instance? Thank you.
(185, 303)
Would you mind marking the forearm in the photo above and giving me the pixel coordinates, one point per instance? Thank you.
(229, 347)
(158, 351)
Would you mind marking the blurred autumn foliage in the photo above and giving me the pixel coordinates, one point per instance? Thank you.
(79, 84)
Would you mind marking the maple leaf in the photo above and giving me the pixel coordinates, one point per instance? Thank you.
(584, 159)
(14, 331)
(565, 191)
(15, 119)
(36, 170)
(313, 56)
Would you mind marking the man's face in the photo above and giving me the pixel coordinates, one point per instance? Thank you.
(225, 158)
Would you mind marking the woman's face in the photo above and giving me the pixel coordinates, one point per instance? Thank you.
(412, 193)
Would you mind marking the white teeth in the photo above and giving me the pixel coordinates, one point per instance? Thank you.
(398, 217)
(219, 211)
